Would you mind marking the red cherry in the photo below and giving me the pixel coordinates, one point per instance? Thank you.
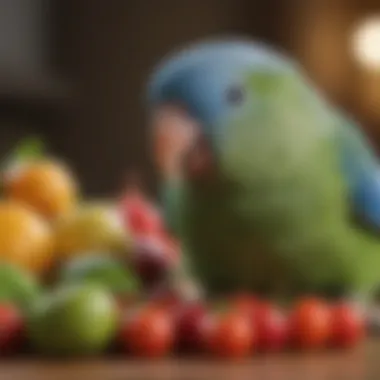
(228, 335)
(271, 329)
(310, 324)
(189, 322)
(148, 332)
(141, 216)
(151, 260)
(12, 329)
(347, 326)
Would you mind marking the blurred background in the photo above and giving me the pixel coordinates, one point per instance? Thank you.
(73, 71)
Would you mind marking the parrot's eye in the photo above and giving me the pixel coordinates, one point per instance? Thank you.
(235, 95)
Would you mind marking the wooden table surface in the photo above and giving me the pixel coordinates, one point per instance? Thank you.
(362, 363)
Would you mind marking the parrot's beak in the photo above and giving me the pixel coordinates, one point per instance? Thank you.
(199, 162)
(178, 144)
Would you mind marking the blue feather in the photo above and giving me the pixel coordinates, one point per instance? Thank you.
(362, 173)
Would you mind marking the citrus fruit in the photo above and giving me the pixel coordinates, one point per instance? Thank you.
(46, 185)
(25, 238)
(91, 227)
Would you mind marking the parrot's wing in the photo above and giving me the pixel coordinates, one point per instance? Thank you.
(361, 171)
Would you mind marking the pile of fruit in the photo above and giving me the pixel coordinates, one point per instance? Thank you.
(81, 277)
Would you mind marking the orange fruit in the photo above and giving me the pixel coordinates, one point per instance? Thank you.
(25, 238)
(47, 186)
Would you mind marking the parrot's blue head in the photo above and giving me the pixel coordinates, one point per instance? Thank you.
(211, 84)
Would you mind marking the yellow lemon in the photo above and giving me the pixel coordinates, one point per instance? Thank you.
(91, 227)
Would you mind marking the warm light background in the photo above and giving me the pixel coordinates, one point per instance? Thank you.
(74, 70)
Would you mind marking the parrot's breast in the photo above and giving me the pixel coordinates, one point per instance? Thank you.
(270, 234)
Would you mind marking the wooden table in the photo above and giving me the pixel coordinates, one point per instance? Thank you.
(361, 364)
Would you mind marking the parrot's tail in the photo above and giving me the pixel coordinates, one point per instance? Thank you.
(367, 252)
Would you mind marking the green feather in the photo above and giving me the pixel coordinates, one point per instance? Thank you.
(276, 217)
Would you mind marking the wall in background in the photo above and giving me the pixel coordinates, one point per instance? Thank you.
(322, 38)
(104, 52)
(30, 92)
(109, 49)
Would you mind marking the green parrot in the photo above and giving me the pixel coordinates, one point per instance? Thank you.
(270, 188)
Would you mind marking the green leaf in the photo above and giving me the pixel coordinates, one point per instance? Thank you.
(18, 286)
(101, 270)
(30, 148)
